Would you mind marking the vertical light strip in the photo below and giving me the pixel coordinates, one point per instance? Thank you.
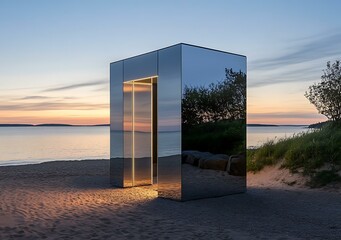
(151, 131)
(156, 128)
(133, 135)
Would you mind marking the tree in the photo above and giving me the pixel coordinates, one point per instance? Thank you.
(218, 101)
(326, 95)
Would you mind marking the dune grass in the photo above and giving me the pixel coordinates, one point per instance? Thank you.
(316, 153)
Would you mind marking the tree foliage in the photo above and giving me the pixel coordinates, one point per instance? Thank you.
(218, 101)
(326, 95)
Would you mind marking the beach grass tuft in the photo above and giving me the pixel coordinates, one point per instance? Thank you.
(316, 153)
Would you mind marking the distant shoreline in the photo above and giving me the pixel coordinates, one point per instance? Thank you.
(107, 125)
(275, 125)
(314, 125)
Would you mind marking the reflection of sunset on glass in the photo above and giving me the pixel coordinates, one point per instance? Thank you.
(143, 125)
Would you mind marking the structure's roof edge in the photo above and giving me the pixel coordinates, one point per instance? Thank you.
(212, 49)
(191, 45)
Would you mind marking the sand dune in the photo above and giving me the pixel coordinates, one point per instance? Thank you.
(275, 177)
(73, 200)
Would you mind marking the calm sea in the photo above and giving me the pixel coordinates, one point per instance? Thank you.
(25, 145)
(256, 136)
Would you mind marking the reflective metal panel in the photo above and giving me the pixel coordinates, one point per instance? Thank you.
(182, 109)
(116, 124)
(142, 66)
(169, 122)
(213, 123)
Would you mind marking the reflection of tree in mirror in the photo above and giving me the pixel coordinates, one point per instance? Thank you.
(219, 101)
(213, 117)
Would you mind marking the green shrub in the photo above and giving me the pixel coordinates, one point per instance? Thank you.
(308, 151)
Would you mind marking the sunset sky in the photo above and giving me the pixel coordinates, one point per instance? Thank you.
(55, 55)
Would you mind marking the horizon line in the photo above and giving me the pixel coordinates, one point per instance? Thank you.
(108, 124)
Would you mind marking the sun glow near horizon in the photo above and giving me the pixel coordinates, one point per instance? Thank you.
(77, 104)
(55, 58)
(88, 106)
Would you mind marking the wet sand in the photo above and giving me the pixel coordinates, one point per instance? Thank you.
(73, 200)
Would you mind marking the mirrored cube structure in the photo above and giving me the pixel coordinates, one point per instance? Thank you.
(178, 120)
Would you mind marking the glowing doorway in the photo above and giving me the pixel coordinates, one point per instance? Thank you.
(140, 130)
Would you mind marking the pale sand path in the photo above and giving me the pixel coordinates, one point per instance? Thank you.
(73, 200)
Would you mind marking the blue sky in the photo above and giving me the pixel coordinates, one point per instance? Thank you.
(55, 55)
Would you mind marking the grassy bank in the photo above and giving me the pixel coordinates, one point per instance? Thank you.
(316, 154)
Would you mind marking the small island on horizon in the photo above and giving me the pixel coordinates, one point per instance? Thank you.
(275, 125)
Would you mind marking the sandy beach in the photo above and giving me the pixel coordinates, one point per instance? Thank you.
(73, 200)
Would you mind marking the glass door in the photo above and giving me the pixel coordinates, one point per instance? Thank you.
(142, 136)
(138, 127)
